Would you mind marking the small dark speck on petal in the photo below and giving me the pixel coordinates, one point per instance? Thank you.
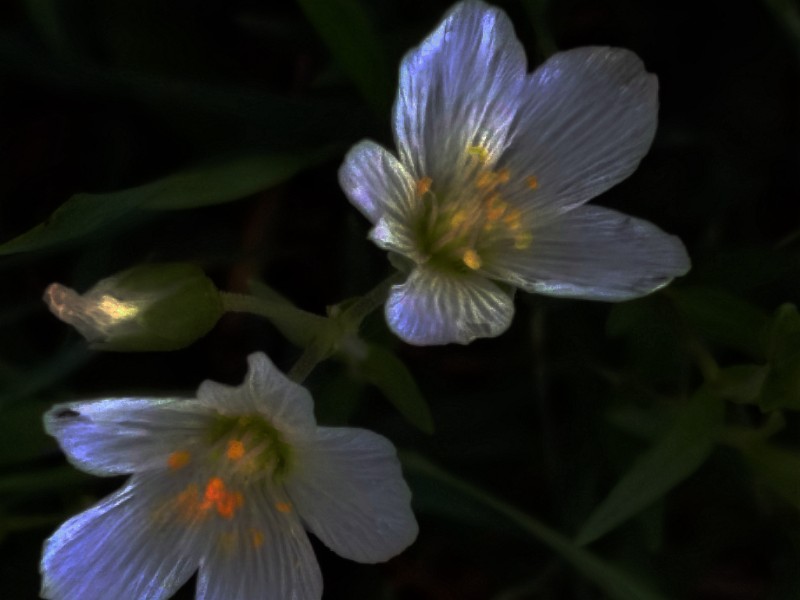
(67, 413)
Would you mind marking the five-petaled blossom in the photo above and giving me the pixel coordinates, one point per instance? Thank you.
(226, 482)
(495, 165)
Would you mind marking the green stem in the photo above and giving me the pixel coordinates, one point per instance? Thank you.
(309, 359)
(361, 308)
(320, 335)
(233, 302)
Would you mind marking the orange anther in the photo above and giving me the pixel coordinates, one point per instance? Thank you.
(178, 459)
(219, 498)
(532, 182)
(235, 450)
(424, 185)
(471, 259)
(283, 507)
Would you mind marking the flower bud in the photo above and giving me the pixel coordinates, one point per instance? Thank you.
(147, 307)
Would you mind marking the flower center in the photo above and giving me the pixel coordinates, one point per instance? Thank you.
(250, 446)
(463, 225)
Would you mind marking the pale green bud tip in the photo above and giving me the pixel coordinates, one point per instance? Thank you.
(148, 307)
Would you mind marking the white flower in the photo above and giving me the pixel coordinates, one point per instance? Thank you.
(226, 482)
(495, 165)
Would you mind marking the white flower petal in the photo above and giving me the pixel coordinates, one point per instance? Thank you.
(394, 236)
(376, 182)
(595, 253)
(459, 88)
(265, 390)
(124, 435)
(433, 307)
(126, 546)
(350, 492)
(589, 117)
(266, 554)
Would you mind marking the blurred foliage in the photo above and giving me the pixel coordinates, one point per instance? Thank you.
(662, 433)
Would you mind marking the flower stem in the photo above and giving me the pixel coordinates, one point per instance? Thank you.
(361, 308)
(349, 320)
(233, 302)
(320, 335)
(309, 359)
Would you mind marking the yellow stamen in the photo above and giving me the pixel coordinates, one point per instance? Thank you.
(235, 450)
(459, 218)
(178, 459)
(480, 152)
(471, 259)
(283, 507)
(532, 182)
(523, 240)
(424, 185)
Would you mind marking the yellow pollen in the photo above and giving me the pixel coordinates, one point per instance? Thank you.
(481, 153)
(283, 507)
(532, 182)
(178, 459)
(235, 450)
(257, 537)
(523, 240)
(424, 185)
(458, 219)
(471, 259)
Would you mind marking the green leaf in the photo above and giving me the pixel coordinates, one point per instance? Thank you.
(783, 332)
(439, 492)
(740, 383)
(778, 468)
(222, 182)
(388, 373)
(723, 318)
(351, 37)
(781, 387)
(672, 458)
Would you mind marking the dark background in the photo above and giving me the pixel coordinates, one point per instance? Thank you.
(97, 96)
